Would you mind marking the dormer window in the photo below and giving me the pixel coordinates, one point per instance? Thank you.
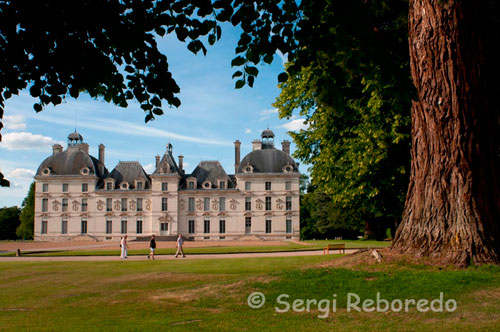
(109, 185)
(139, 185)
(206, 185)
(222, 184)
(46, 171)
(248, 169)
(191, 185)
(287, 169)
(84, 171)
(124, 186)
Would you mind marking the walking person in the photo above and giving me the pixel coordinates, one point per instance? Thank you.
(152, 247)
(180, 242)
(124, 246)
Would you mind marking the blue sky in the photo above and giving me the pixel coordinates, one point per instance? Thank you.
(212, 116)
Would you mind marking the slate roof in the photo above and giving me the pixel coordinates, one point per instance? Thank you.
(167, 160)
(71, 162)
(267, 161)
(130, 171)
(211, 171)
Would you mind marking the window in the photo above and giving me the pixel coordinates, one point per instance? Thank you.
(45, 205)
(138, 228)
(164, 204)
(288, 225)
(191, 226)
(109, 226)
(65, 205)
(124, 226)
(222, 184)
(139, 185)
(124, 204)
(84, 204)
(139, 204)
(222, 226)
(164, 227)
(248, 185)
(45, 187)
(64, 226)
(268, 203)
(44, 227)
(206, 204)
(288, 203)
(248, 225)
(164, 186)
(288, 185)
(248, 203)
(109, 185)
(84, 226)
(85, 187)
(222, 203)
(64, 187)
(268, 226)
(109, 204)
(206, 226)
(268, 185)
(191, 185)
(191, 204)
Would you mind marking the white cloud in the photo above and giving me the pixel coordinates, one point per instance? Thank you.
(149, 168)
(295, 125)
(267, 114)
(22, 173)
(26, 141)
(14, 122)
(248, 131)
(185, 165)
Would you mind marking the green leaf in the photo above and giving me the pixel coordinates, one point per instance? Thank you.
(156, 101)
(37, 107)
(238, 61)
(237, 74)
(149, 117)
(250, 80)
(158, 111)
(239, 84)
(251, 70)
(283, 77)
(146, 107)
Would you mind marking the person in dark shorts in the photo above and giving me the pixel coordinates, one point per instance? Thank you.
(152, 247)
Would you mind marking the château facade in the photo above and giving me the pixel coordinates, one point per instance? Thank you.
(76, 196)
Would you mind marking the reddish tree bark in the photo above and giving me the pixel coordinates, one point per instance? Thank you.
(452, 208)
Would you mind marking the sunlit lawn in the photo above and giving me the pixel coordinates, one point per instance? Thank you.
(211, 295)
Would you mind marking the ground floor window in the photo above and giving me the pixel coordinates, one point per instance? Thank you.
(248, 225)
(206, 226)
(222, 226)
(109, 226)
(268, 226)
(139, 227)
(289, 225)
(64, 226)
(44, 227)
(191, 226)
(84, 226)
(164, 227)
(124, 226)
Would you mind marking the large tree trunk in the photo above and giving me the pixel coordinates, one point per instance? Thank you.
(452, 208)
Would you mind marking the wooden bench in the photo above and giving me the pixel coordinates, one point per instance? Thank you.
(337, 246)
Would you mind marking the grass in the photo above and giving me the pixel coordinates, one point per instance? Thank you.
(211, 295)
(311, 245)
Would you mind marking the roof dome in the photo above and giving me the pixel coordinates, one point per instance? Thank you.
(71, 162)
(268, 161)
(75, 136)
(268, 133)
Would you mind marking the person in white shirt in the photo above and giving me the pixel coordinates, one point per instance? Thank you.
(124, 247)
(180, 242)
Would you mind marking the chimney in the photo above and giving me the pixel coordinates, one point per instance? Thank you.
(56, 148)
(101, 153)
(181, 159)
(157, 161)
(237, 145)
(286, 146)
(256, 145)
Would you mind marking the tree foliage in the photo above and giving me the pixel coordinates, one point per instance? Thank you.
(27, 217)
(9, 220)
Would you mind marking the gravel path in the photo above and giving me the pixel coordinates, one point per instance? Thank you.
(167, 257)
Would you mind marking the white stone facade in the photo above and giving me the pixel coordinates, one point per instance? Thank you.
(76, 196)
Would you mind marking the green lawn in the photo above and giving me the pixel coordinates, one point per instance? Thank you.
(311, 245)
(211, 295)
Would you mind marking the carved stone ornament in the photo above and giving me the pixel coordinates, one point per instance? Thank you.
(215, 204)
(100, 205)
(148, 204)
(116, 205)
(199, 204)
(259, 203)
(132, 205)
(233, 203)
(55, 205)
(182, 204)
(279, 204)
(74, 205)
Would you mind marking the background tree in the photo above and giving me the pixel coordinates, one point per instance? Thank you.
(27, 217)
(9, 220)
